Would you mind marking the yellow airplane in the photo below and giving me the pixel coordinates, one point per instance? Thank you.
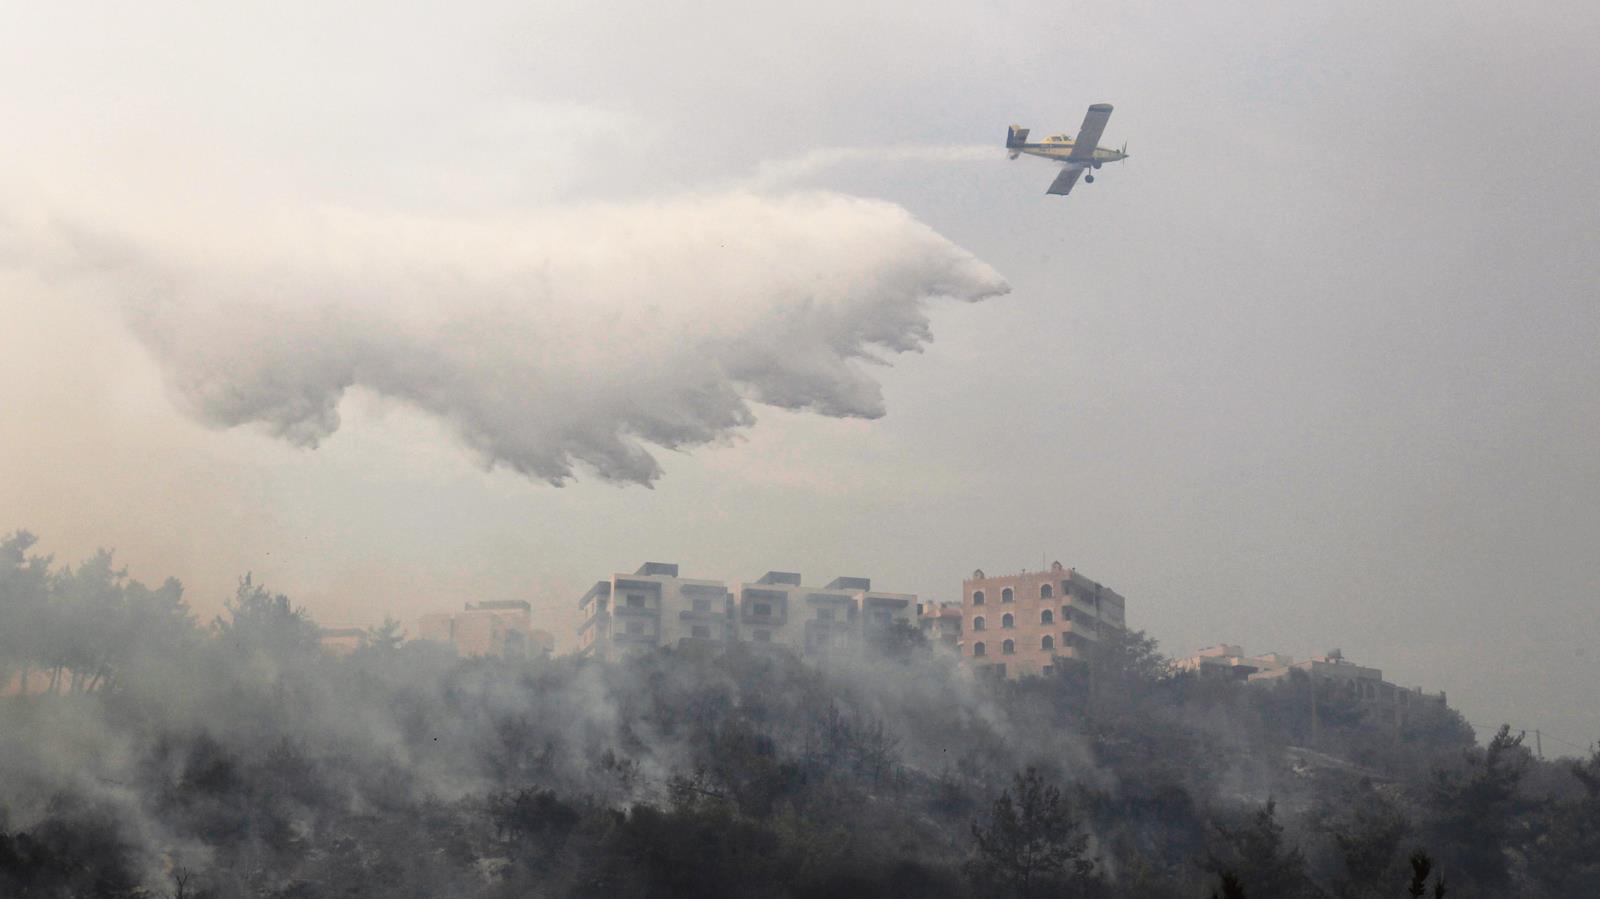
(1077, 155)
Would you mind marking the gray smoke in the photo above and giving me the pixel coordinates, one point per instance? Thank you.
(546, 342)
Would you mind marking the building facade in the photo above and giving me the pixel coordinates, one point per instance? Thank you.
(501, 628)
(1333, 676)
(1019, 625)
(1228, 662)
(655, 607)
(941, 623)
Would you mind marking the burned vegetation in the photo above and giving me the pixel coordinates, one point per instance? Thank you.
(144, 753)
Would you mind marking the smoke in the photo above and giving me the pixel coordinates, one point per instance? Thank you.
(577, 337)
(783, 172)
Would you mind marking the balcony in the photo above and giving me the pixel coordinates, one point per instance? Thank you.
(1083, 620)
(707, 615)
(1072, 640)
(1084, 630)
(637, 611)
(777, 614)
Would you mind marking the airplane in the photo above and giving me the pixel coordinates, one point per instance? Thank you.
(1082, 153)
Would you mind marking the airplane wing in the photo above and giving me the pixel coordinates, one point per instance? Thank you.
(1094, 125)
(1064, 181)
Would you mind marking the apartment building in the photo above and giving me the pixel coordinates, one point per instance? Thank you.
(1335, 676)
(1020, 624)
(654, 607)
(779, 608)
(500, 628)
(941, 623)
(1228, 662)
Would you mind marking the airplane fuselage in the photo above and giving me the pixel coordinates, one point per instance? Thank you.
(1077, 155)
(1061, 149)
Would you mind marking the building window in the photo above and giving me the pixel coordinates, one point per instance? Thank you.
(702, 605)
(977, 649)
(977, 597)
(635, 601)
(761, 636)
(1066, 589)
(1047, 617)
(761, 608)
(1049, 670)
(824, 614)
(1009, 647)
(701, 632)
(977, 623)
(1006, 595)
(1007, 621)
(1047, 643)
(1045, 592)
(635, 628)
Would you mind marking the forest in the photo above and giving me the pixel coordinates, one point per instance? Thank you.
(147, 753)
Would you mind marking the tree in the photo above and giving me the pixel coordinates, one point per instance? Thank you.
(24, 604)
(1368, 844)
(897, 640)
(1479, 816)
(1123, 661)
(1421, 867)
(1228, 886)
(1565, 859)
(263, 622)
(1259, 856)
(1031, 843)
(387, 636)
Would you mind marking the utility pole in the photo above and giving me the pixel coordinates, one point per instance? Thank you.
(1538, 745)
(1315, 728)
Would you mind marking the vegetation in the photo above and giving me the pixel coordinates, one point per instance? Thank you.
(144, 754)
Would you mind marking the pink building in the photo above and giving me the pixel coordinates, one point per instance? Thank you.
(1020, 624)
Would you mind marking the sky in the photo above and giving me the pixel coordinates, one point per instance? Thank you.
(399, 306)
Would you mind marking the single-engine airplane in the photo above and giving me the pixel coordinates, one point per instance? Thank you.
(1082, 153)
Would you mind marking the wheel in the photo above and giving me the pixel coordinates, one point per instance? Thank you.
(1089, 179)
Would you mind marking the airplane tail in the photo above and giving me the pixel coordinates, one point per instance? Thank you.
(1015, 137)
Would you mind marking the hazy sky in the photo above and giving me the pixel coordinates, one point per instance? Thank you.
(1318, 367)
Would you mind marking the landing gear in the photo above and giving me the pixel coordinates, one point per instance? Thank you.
(1095, 164)
(1088, 179)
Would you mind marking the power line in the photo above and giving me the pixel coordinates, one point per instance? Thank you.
(1544, 733)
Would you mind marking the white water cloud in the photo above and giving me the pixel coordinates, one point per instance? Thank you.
(578, 338)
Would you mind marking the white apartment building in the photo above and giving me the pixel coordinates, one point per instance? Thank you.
(655, 607)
